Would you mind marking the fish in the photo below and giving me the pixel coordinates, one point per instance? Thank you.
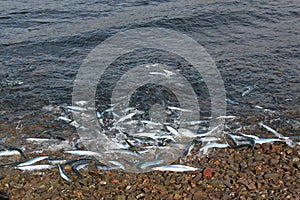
(38, 139)
(175, 168)
(32, 161)
(79, 164)
(264, 109)
(213, 145)
(35, 167)
(238, 141)
(65, 119)
(77, 168)
(76, 108)
(9, 152)
(150, 122)
(199, 140)
(266, 140)
(250, 140)
(119, 165)
(129, 116)
(83, 153)
(151, 163)
(104, 167)
(207, 139)
(62, 174)
(287, 140)
(57, 161)
(178, 109)
(172, 130)
(81, 103)
(233, 102)
(75, 124)
(250, 136)
(226, 117)
(271, 130)
(189, 149)
(248, 89)
(166, 73)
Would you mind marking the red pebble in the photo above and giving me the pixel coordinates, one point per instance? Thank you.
(207, 173)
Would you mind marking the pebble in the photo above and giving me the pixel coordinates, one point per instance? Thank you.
(270, 171)
(208, 172)
(199, 195)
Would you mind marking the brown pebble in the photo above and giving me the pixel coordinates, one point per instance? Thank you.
(251, 186)
(207, 173)
(177, 196)
(195, 180)
(199, 195)
(115, 181)
(274, 162)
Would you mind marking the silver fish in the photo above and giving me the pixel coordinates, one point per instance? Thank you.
(75, 124)
(166, 73)
(129, 116)
(188, 151)
(32, 161)
(63, 175)
(213, 145)
(266, 140)
(65, 119)
(150, 123)
(172, 130)
(9, 152)
(117, 164)
(151, 163)
(175, 168)
(35, 167)
(287, 140)
(76, 108)
(57, 161)
(178, 109)
(232, 101)
(83, 153)
(248, 89)
(38, 139)
(226, 117)
(271, 130)
(81, 103)
(195, 122)
(78, 167)
(208, 139)
(264, 109)
(250, 136)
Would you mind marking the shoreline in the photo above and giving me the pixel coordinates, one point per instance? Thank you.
(268, 171)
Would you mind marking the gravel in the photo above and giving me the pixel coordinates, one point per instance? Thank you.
(270, 171)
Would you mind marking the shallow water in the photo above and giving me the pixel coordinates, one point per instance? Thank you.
(255, 45)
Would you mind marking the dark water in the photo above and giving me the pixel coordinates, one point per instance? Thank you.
(254, 43)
